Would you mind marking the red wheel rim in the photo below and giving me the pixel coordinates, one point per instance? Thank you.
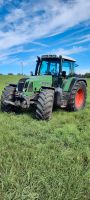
(79, 98)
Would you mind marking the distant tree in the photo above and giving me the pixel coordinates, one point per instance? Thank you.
(19, 74)
(10, 74)
(87, 75)
(78, 75)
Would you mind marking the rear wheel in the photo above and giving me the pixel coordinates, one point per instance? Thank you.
(45, 104)
(77, 98)
(7, 95)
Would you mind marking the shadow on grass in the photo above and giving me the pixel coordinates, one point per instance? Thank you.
(31, 111)
(19, 111)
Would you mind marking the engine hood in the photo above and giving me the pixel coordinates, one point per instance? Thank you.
(39, 81)
(34, 83)
(41, 78)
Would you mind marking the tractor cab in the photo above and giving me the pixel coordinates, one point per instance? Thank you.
(59, 67)
(55, 66)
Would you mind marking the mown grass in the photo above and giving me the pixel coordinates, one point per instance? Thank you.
(42, 160)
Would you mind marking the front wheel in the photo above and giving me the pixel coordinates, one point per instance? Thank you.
(77, 98)
(7, 95)
(45, 104)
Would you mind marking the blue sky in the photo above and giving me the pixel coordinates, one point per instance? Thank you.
(34, 27)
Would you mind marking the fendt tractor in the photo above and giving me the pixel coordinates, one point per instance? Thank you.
(54, 84)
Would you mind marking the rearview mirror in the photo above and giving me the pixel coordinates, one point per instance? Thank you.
(31, 73)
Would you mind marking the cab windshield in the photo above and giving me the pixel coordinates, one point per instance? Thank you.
(52, 67)
(49, 67)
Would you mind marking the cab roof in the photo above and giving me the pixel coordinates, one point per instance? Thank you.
(60, 56)
(68, 58)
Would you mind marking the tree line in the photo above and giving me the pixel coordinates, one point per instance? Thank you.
(86, 75)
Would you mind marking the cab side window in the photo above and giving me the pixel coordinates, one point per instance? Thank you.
(66, 65)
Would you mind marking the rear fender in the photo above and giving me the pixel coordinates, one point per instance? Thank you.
(74, 81)
(71, 82)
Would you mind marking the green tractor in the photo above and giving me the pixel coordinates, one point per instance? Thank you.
(54, 84)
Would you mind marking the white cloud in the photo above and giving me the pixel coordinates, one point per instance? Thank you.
(55, 17)
(9, 57)
(73, 50)
(83, 39)
(35, 20)
(1, 2)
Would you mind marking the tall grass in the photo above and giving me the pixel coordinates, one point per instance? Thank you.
(42, 160)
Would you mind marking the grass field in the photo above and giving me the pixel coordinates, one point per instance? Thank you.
(42, 160)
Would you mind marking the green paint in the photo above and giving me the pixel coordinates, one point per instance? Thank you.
(38, 82)
(67, 83)
(45, 80)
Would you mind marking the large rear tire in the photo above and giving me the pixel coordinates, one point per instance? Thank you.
(8, 95)
(45, 104)
(77, 98)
